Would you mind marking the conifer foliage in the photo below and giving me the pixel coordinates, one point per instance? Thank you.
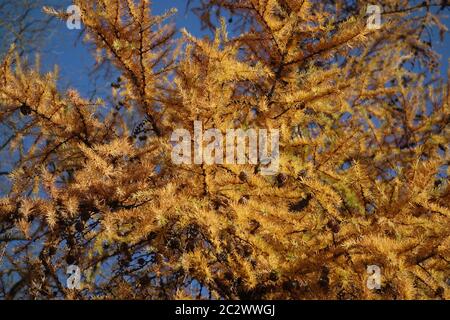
(364, 121)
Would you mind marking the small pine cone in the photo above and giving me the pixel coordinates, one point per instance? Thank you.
(439, 292)
(151, 236)
(141, 261)
(243, 176)
(25, 109)
(334, 226)
(228, 275)
(300, 205)
(281, 179)
(324, 280)
(290, 285)
(254, 226)
(70, 259)
(273, 276)
(51, 250)
(247, 250)
(79, 226)
(85, 215)
(144, 281)
(244, 200)
(174, 243)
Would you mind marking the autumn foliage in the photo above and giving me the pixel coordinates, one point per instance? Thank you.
(363, 180)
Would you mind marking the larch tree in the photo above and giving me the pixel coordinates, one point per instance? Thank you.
(362, 182)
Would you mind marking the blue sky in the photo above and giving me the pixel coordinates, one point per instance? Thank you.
(75, 61)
